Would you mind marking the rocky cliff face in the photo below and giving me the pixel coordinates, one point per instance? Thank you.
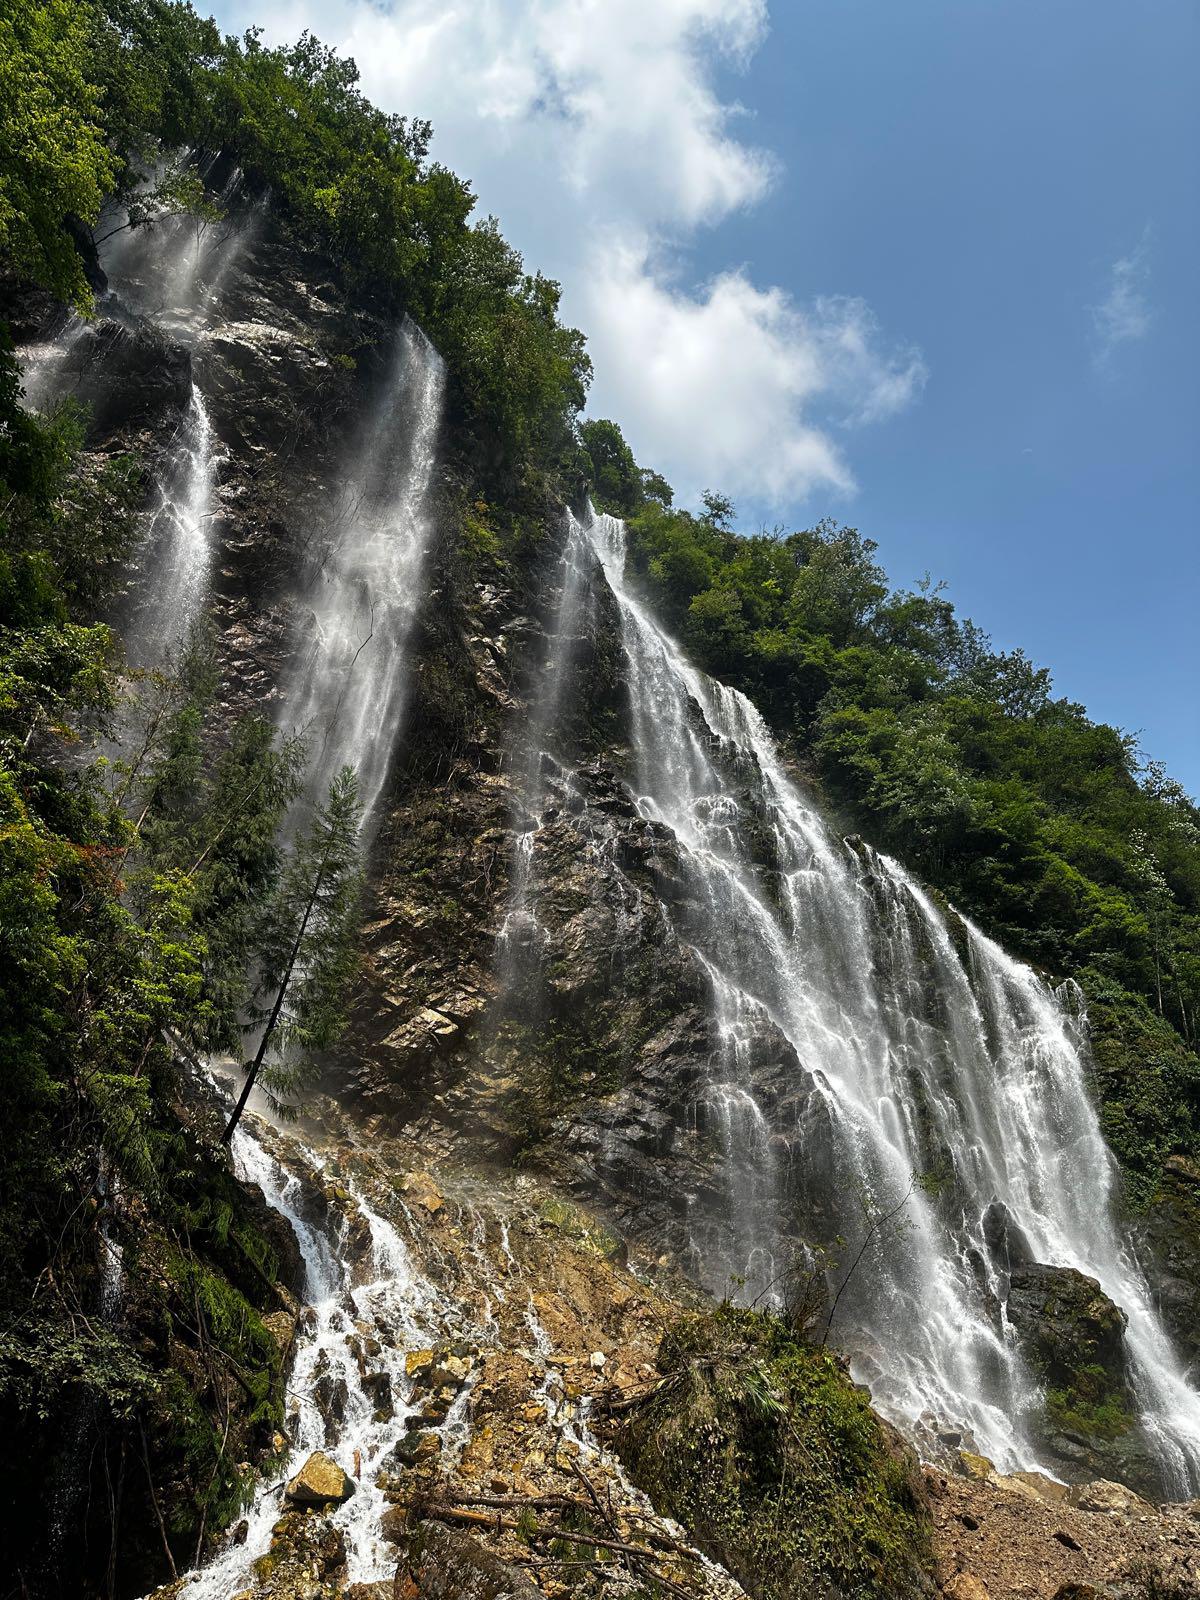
(533, 999)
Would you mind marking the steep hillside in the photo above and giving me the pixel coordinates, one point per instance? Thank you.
(634, 913)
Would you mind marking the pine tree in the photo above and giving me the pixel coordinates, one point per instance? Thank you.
(308, 950)
(205, 809)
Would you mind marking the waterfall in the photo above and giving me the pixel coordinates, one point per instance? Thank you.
(540, 774)
(167, 274)
(918, 1046)
(349, 688)
(172, 270)
(386, 1301)
(177, 550)
(43, 363)
(348, 685)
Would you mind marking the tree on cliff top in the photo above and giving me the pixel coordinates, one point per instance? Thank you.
(54, 163)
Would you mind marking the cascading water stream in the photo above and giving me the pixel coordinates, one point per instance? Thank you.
(914, 1051)
(168, 275)
(539, 771)
(172, 270)
(43, 364)
(347, 693)
(348, 688)
(388, 1301)
(177, 552)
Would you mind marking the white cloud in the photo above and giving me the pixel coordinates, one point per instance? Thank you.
(1124, 314)
(593, 130)
(735, 387)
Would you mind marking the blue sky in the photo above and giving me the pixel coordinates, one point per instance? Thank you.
(975, 171)
(928, 268)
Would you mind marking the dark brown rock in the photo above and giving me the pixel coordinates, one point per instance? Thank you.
(440, 1564)
(1066, 1323)
(1171, 1231)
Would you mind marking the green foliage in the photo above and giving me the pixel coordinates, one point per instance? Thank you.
(309, 944)
(763, 1449)
(54, 162)
(584, 1230)
(1149, 1083)
(214, 821)
(99, 101)
(398, 226)
(125, 893)
(306, 951)
(52, 1358)
(1092, 1406)
(613, 471)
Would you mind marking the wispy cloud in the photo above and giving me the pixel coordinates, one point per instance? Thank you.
(1124, 314)
(594, 129)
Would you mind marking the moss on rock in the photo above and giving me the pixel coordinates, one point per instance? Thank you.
(775, 1463)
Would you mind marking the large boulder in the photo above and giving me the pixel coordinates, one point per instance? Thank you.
(1066, 1324)
(764, 1451)
(1073, 1338)
(129, 374)
(1171, 1230)
(440, 1564)
(320, 1482)
(1114, 1499)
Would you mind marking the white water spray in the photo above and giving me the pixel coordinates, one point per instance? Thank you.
(348, 688)
(384, 1301)
(909, 1050)
(177, 555)
(539, 773)
(172, 270)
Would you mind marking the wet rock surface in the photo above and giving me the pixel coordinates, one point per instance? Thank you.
(1073, 1337)
(319, 1482)
(1171, 1231)
(489, 1461)
(541, 1335)
(439, 1564)
(306, 1561)
(572, 1032)
(1066, 1322)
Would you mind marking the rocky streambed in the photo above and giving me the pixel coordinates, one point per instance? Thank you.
(479, 1382)
(456, 1378)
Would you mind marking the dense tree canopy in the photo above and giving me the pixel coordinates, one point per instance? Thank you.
(398, 225)
(97, 100)
(55, 163)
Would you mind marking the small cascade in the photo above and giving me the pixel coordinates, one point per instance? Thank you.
(176, 557)
(734, 1251)
(348, 686)
(167, 275)
(539, 772)
(342, 1399)
(43, 364)
(920, 1049)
